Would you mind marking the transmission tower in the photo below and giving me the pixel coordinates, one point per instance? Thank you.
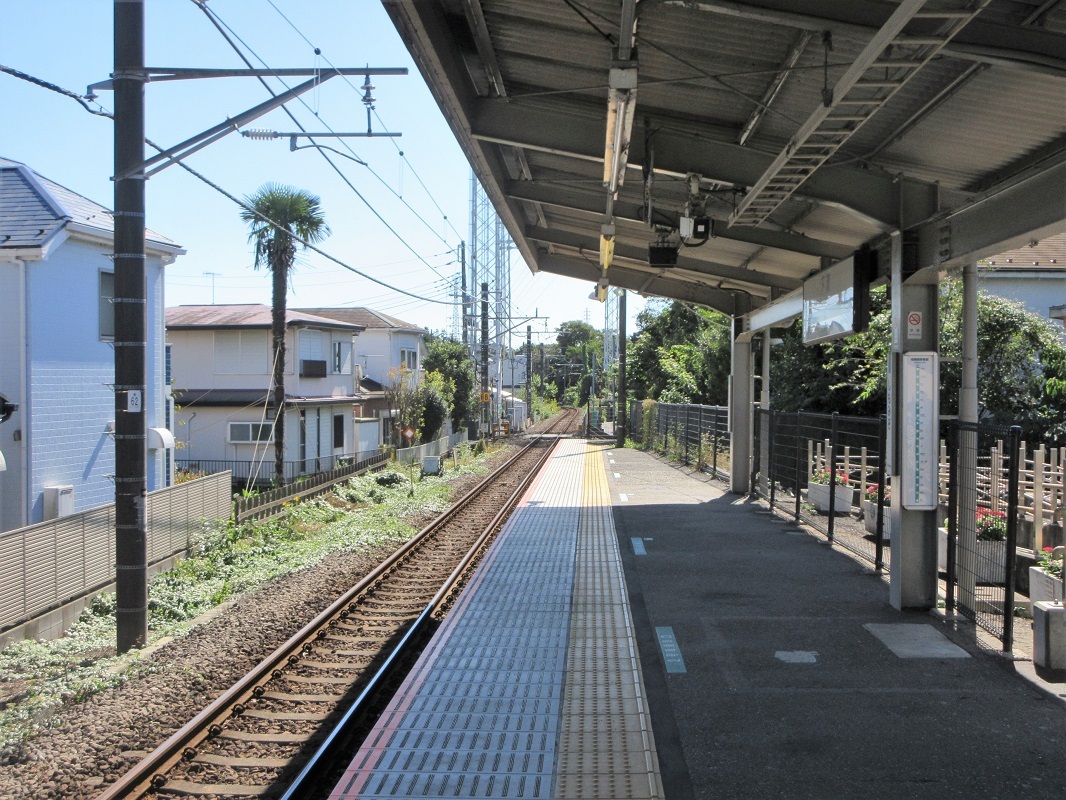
(489, 260)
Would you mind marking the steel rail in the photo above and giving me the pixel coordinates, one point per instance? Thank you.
(324, 758)
(150, 773)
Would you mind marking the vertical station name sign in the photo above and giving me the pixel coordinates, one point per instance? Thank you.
(920, 421)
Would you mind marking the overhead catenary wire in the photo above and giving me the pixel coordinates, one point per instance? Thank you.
(377, 116)
(204, 179)
(222, 28)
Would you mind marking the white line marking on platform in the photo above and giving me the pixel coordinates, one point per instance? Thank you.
(612, 460)
(671, 652)
(797, 656)
(617, 475)
(638, 546)
(624, 498)
(909, 640)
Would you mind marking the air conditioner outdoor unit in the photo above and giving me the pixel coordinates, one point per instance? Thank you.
(58, 501)
(312, 369)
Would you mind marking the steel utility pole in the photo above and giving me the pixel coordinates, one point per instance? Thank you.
(131, 482)
(465, 300)
(485, 397)
(621, 418)
(529, 372)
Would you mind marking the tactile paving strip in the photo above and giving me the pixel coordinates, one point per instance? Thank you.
(532, 687)
(606, 749)
(479, 715)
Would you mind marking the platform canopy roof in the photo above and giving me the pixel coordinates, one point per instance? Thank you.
(802, 128)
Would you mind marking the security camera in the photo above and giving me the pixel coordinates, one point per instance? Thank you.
(7, 408)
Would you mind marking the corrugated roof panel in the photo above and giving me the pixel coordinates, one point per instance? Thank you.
(994, 121)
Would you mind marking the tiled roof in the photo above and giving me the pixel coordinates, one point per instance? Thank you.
(1049, 253)
(366, 317)
(251, 315)
(33, 209)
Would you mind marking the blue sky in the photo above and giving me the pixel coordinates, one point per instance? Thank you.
(69, 43)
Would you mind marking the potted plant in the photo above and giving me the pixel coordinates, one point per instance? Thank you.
(1045, 579)
(991, 546)
(869, 511)
(818, 492)
(991, 559)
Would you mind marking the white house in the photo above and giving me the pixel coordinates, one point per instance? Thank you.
(1033, 275)
(57, 364)
(387, 348)
(221, 380)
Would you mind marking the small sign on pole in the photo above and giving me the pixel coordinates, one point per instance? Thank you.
(409, 433)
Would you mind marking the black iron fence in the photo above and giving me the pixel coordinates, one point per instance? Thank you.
(1001, 499)
(692, 434)
(827, 471)
(978, 549)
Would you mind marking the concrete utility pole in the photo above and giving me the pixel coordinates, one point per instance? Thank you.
(131, 482)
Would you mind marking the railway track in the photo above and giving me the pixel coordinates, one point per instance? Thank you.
(259, 736)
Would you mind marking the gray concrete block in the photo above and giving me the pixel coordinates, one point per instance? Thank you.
(1049, 635)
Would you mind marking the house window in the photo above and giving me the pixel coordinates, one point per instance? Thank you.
(342, 358)
(338, 431)
(242, 353)
(107, 305)
(249, 432)
(409, 360)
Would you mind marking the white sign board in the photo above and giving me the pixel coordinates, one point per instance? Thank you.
(919, 434)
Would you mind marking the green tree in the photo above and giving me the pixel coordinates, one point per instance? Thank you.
(276, 214)
(451, 359)
(434, 400)
(680, 354)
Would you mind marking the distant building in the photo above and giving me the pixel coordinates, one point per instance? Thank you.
(1034, 275)
(387, 349)
(57, 364)
(222, 377)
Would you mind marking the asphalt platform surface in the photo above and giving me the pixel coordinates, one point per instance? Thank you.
(800, 680)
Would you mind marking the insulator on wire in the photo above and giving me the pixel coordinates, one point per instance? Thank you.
(259, 133)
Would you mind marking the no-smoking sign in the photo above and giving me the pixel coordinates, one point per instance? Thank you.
(914, 325)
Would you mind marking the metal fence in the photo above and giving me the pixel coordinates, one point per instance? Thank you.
(250, 474)
(413, 455)
(806, 464)
(978, 549)
(261, 505)
(692, 434)
(47, 565)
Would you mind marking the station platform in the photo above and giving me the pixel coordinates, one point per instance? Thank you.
(687, 644)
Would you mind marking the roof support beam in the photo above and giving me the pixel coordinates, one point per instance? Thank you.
(1031, 208)
(1006, 45)
(758, 283)
(872, 195)
(569, 199)
(650, 282)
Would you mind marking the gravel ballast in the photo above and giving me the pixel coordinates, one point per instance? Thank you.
(89, 744)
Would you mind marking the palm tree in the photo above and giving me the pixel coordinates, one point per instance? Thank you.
(291, 213)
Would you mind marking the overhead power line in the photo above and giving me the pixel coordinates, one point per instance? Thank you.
(104, 113)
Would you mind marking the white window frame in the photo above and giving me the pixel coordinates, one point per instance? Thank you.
(407, 355)
(261, 427)
(340, 355)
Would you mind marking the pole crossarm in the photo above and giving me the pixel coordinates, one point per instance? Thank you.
(154, 74)
(201, 140)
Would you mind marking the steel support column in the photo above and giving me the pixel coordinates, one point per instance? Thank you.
(740, 409)
(913, 581)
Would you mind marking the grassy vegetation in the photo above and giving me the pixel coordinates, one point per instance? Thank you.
(228, 560)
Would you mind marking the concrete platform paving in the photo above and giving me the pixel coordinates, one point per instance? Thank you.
(799, 679)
